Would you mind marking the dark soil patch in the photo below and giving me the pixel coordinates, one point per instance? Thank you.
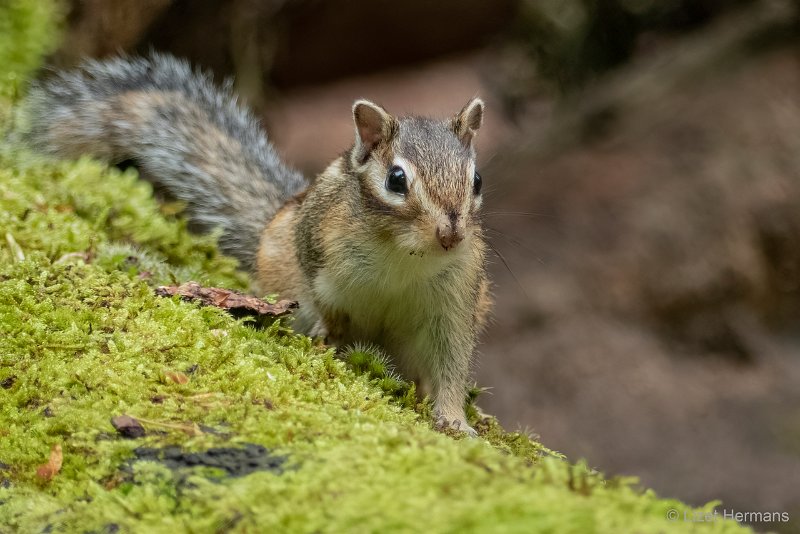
(237, 462)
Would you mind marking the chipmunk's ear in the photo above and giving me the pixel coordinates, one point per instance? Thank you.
(374, 125)
(467, 121)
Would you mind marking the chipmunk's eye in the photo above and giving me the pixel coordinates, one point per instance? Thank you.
(396, 181)
(477, 183)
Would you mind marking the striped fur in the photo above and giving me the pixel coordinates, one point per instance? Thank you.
(187, 136)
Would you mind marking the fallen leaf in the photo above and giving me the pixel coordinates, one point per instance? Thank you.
(127, 426)
(47, 471)
(232, 301)
(178, 378)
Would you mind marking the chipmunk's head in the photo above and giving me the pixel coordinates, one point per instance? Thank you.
(418, 176)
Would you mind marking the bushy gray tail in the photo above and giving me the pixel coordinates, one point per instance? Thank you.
(186, 136)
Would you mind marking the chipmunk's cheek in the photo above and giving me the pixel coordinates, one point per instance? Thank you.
(412, 238)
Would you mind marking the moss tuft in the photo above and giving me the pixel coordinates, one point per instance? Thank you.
(92, 213)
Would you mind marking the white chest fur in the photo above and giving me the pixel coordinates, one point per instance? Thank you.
(387, 295)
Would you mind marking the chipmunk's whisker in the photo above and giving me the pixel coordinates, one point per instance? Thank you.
(511, 272)
(518, 214)
(515, 242)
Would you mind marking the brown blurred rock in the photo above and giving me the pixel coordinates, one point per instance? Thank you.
(679, 209)
(284, 42)
(660, 331)
(329, 40)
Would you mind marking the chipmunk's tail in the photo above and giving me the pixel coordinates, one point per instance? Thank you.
(187, 136)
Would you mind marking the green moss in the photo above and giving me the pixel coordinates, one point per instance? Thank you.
(84, 344)
(84, 339)
(28, 31)
(372, 362)
(67, 210)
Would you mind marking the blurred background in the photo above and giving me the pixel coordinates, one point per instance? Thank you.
(642, 169)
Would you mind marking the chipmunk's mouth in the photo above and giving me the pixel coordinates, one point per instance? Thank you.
(434, 240)
(435, 245)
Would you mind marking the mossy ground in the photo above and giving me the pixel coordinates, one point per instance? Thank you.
(83, 338)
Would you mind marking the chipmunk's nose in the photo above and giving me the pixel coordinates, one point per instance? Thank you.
(450, 231)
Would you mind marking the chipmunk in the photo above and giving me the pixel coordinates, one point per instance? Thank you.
(384, 246)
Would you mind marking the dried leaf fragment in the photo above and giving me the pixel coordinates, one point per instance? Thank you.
(232, 301)
(47, 471)
(177, 377)
(127, 426)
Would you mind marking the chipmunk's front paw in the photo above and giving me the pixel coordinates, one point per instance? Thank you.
(455, 423)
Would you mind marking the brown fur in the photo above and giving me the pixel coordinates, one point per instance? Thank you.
(422, 304)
